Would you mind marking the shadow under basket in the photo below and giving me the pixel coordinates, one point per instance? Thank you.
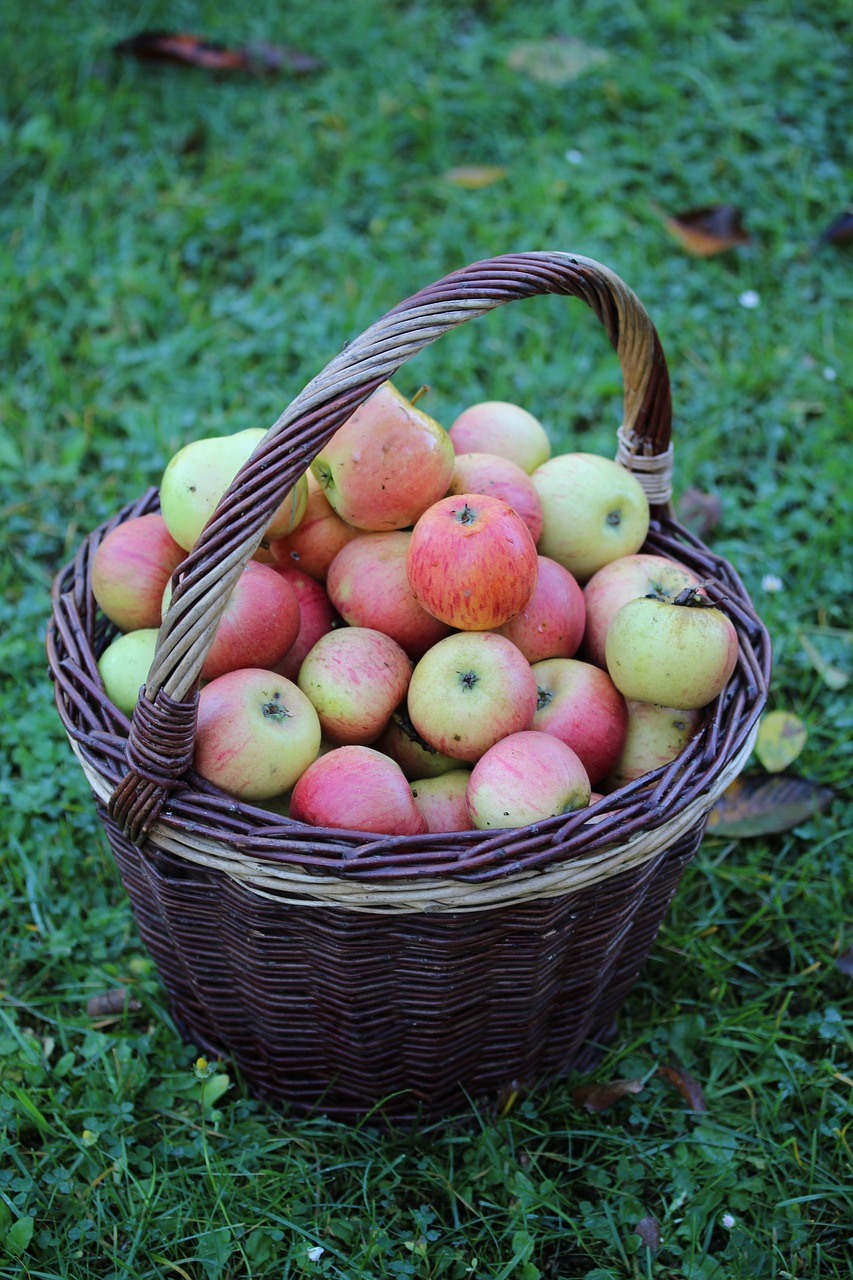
(348, 972)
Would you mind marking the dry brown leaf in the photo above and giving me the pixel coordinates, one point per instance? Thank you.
(474, 176)
(190, 50)
(114, 1001)
(757, 805)
(557, 60)
(840, 230)
(648, 1229)
(700, 512)
(687, 1086)
(597, 1097)
(708, 230)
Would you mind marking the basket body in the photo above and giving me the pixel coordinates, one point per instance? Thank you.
(347, 972)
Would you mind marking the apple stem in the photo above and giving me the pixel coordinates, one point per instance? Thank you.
(421, 391)
(692, 598)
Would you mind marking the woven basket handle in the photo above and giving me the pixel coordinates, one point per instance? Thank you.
(160, 744)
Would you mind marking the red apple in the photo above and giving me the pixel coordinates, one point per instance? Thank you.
(526, 778)
(401, 741)
(386, 464)
(355, 677)
(497, 426)
(316, 617)
(622, 580)
(369, 587)
(469, 691)
(472, 562)
(579, 704)
(256, 733)
(551, 624)
(318, 537)
(130, 570)
(655, 736)
(593, 511)
(359, 789)
(678, 653)
(260, 622)
(442, 800)
(500, 478)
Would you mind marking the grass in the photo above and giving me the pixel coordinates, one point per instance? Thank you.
(179, 254)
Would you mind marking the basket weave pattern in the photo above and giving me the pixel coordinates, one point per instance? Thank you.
(339, 969)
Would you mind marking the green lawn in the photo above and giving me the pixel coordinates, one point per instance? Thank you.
(179, 254)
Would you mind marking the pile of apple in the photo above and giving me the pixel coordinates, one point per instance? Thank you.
(442, 630)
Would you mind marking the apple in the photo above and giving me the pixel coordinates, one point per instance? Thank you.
(130, 570)
(501, 478)
(593, 511)
(472, 562)
(357, 788)
(317, 538)
(497, 426)
(258, 626)
(124, 666)
(655, 736)
(386, 464)
(197, 476)
(524, 778)
(442, 800)
(679, 653)
(255, 733)
(622, 580)
(316, 617)
(551, 624)
(368, 585)
(579, 704)
(469, 691)
(355, 677)
(401, 741)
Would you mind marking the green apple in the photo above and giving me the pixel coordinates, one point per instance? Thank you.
(198, 475)
(593, 511)
(124, 666)
(678, 653)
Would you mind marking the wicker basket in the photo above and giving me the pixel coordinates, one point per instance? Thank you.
(345, 971)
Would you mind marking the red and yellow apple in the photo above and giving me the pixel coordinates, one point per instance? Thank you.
(131, 568)
(442, 800)
(655, 736)
(386, 464)
(355, 677)
(524, 778)
(316, 539)
(472, 562)
(552, 622)
(498, 426)
(356, 788)
(579, 704)
(622, 580)
(469, 691)
(500, 478)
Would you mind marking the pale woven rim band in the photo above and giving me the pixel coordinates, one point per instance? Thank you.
(290, 885)
(653, 472)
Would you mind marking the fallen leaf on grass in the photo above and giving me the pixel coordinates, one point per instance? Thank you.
(699, 512)
(833, 677)
(708, 230)
(109, 1002)
(190, 50)
(597, 1097)
(757, 805)
(781, 738)
(474, 176)
(686, 1085)
(845, 962)
(840, 230)
(648, 1229)
(558, 60)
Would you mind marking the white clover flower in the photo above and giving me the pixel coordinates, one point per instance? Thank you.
(830, 374)
(749, 299)
(315, 1253)
(728, 1221)
(573, 156)
(771, 582)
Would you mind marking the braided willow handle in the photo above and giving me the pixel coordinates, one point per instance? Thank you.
(160, 746)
